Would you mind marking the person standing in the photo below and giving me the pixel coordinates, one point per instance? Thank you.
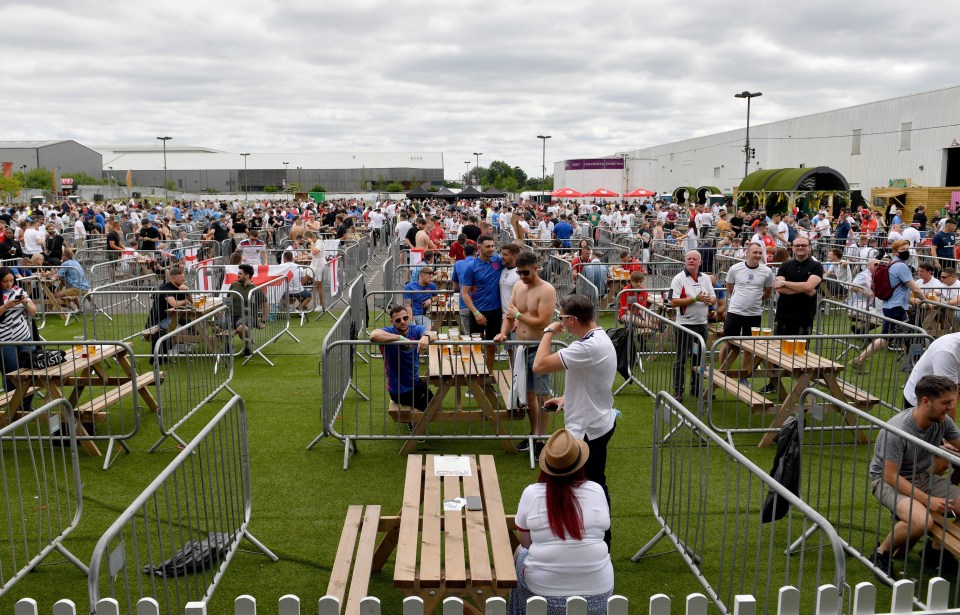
(480, 290)
(469, 253)
(796, 286)
(749, 285)
(590, 363)
(692, 295)
(509, 276)
(529, 309)
(942, 245)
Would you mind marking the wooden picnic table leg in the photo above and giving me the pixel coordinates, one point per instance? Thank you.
(55, 392)
(487, 399)
(831, 379)
(799, 384)
(143, 390)
(431, 411)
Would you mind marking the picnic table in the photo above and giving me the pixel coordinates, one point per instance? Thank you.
(443, 312)
(80, 370)
(462, 367)
(804, 369)
(195, 310)
(441, 550)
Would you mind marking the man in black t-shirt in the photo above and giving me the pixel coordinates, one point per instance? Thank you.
(149, 236)
(173, 294)
(114, 240)
(471, 229)
(796, 286)
(411, 236)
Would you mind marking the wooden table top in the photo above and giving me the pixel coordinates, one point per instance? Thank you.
(770, 351)
(75, 362)
(449, 365)
(210, 304)
(484, 559)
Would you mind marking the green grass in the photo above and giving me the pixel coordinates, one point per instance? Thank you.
(300, 497)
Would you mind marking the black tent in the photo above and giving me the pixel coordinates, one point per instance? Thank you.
(494, 193)
(443, 193)
(470, 193)
(419, 193)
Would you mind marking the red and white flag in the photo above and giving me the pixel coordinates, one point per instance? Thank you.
(190, 258)
(334, 279)
(416, 256)
(272, 275)
(203, 277)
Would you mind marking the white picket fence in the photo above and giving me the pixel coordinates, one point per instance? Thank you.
(828, 603)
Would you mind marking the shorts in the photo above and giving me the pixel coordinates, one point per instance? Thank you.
(536, 383)
(492, 328)
(303, 294)
(781, 327)
(422, 320)
(465, 321)
(243, 321)
(737, 325)
(933, 484)
(894, 313)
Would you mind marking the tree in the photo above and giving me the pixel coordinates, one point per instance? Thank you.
(170, 185)
(394, 187)
(40, 178)
(520, 175)
(294, 187)
(316, 188)
(271, 189)
(9, 187)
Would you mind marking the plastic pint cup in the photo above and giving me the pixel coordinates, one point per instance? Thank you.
(766, 332)
(800, 347)
(755, 331)
(787, 346)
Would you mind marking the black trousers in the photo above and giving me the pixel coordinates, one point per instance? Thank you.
(685, 350)
(418, 397)
(596, 468)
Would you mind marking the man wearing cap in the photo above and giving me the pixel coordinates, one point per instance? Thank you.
(590, 363)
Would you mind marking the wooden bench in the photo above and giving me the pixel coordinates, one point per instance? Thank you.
(757, 402)
(403, 414)
(92, 409)
(853, 395)
(948, 532)
(504, 382)
(714, 332)
(358, 556)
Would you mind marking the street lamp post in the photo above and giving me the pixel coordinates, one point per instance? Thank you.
(246, 182)
(466, 175)
(166, 197)
(746, 148)
(478, 154)
(543, 169)
(110, 182)
(299, 179)
(286, 170)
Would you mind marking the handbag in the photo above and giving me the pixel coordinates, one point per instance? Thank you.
(40, 358)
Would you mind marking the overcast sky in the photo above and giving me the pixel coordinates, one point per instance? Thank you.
(453, 76)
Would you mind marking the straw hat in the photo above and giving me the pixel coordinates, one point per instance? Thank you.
(563, 454)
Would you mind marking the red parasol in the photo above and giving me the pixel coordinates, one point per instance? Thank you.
(566, 193)
(639, 192)
(603, 193)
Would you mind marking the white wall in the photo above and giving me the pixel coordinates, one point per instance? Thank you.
(824, 139)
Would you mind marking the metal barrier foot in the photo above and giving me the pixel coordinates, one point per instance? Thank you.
(287, 331)
(257, 354)
(650, 544)
(108, 457)
(157, 444)
(315, 441)
(260, 546)
(72, 559)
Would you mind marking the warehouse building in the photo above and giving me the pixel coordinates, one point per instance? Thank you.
(907, 141)
(199, 169)
(67, 156)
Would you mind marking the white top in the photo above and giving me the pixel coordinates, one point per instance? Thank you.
(748, 286)
(558, 567)
(376, 220)
(684, 285)
(402, 227)
(784, 229)
(912, 235)
(942, 358)
(508, 279)
(950, 291)
(591, 364)
(79, 230)
(32, 241)
(861, 300)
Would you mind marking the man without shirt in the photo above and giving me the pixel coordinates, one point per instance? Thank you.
(529, 310)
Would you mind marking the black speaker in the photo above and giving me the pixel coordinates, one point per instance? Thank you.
(137, 195)
(97, 198)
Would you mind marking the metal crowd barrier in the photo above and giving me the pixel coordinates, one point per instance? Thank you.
(583, 286)
(662, 270)
(268, 308)
(836, 481)
(117, 298)
(177, 538)
(709, 501)
(936, 316)
(41, 494)
(441, 320)
(559, 272)
(100, 379)
(197, 361)
(356, 404)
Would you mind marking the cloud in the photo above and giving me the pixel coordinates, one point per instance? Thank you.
(455, 77)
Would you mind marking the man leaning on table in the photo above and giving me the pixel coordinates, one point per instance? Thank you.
(402, 362)
(590, 363)
(173, 294)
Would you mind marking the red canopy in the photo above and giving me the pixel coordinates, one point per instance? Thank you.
(603, 192)
(566, 193)
(639, 192)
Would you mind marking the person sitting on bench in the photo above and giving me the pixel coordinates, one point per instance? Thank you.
(404, 383)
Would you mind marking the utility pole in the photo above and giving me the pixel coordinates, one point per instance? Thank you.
(166, 197)
(543, 169)
(746, 149)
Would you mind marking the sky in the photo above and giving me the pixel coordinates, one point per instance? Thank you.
(453, 76)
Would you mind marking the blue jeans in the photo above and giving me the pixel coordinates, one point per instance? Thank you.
(10, 363)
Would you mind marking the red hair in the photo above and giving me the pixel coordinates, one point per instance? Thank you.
(563, 507)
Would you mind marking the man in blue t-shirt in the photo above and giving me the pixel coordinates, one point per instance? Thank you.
(563, 231)
(942, 246)
(480, 290)
(418, 303)
(402, 361)
(843, 228)
(470, 253)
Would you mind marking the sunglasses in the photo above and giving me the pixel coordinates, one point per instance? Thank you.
(946, 276)
(524, 272)
(397, 321)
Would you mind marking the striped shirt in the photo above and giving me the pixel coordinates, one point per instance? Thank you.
(14, 326)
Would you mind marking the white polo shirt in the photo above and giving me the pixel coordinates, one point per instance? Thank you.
(591, 364)
(508, 279)
(748, 287)
(684, 285)
(942, 358)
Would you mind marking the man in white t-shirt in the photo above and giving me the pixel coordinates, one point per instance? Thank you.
(590, 363)
(376, 225)
(33, 238)
(691, 293)
(508, 276)
(941, 358)
(749, 284)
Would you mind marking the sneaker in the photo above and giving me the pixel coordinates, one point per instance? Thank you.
(537, 449)
(768, 388)
(523, 445)
(859, 367)
(247, 352)
(745, 383)
(881, 561)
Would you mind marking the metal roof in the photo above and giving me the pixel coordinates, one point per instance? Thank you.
(29, 144)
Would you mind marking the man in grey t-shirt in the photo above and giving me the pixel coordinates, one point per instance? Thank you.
(899, 470)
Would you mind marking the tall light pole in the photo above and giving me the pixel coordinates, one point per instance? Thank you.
(246, 187)
(166, 197)
(466, 175)
(746, 148)
(543, 169)
(299, 185)
(286, 170)
(478, 154)
(110, 182)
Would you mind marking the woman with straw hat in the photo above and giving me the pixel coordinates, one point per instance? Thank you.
(560, 521)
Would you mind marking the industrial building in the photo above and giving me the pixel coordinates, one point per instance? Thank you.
(199, 169)
(66, 156)
(907, 141)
